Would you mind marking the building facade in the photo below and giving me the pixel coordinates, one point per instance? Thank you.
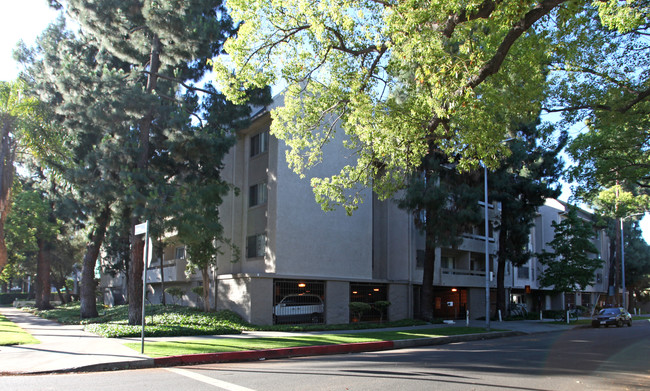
(289, 247)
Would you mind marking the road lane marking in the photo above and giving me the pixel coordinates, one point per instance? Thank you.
(209, 380)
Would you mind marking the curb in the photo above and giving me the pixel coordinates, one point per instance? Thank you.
(260, 355)
(320, 350)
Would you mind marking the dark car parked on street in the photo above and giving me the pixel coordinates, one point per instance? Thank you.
(611, 316)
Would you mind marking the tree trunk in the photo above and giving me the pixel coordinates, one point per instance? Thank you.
(7, 170)
(136, 269)
(87, 295)
(205, 275)
(137, 243)
(43, 277)
(426, 293)
(61, 297)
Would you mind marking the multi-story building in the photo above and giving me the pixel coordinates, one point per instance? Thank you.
(289, 246)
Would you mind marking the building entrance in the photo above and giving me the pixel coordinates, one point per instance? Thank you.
(449, 303)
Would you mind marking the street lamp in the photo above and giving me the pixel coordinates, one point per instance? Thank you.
(487, 254)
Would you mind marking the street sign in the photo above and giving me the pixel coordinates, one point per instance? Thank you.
(141, 228)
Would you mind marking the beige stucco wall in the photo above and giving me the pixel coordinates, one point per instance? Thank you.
(398, 295)
(337, 297)
(310, 242)
(250, 297)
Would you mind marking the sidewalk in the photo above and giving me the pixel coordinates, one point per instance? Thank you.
(63, 348)
(67, 348)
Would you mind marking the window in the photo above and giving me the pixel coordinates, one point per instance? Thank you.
(256, 246)
(477, 262)
(259, 143)
(257, 194)
(523, 271)
(179, 253)
(448, 263)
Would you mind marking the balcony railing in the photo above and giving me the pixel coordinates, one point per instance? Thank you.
(463, 272)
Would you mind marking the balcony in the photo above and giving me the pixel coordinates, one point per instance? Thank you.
(173, 270)
(463, 277)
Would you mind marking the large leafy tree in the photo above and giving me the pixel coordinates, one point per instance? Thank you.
(637, 262)
(521, 185)
(445, 205)
(465, 69)
(23, 121)
(573, 261)
(32, 231)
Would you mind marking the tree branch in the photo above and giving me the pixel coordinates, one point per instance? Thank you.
(343, 47)
(483, 12)
(493, 65)
(179, 81)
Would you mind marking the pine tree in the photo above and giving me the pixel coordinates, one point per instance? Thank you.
(445, 204)
(154, 38)
(573, 262)
(521, 185)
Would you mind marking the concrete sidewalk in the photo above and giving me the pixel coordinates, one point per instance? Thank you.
(67, 348)
(63, 348)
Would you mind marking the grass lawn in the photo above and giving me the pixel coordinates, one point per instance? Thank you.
(172, 320)
(10, 334)
(171, 348)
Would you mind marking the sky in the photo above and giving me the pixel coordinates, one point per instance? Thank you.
(20, 19)
(25, 19)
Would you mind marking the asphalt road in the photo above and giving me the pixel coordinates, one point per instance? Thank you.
(580, 359)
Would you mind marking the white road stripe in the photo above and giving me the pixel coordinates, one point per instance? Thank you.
(208, 380)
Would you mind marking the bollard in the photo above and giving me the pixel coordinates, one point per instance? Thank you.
(500, 319)
(467, 318)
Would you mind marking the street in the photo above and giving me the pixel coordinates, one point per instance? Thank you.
(580, 359)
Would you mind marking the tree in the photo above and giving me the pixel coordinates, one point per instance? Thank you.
(637, 262)
(571, 265)
(521, 185)
(465, 69)
(22, 120)
(31, 232)
(124, 89)
(616, 204)
(83, 85)
(444, 205)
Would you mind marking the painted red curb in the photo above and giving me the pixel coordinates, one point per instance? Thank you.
(250, 355)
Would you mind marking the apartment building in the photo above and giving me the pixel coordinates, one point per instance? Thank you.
(290, 248)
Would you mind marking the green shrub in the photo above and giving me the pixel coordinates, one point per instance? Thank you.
(8, 298)
(198, 290)
(382, 307)
(358, 309)
(175, 293)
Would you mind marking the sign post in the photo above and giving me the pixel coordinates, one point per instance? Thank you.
(139, 230)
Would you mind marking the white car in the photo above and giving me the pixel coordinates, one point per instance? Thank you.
(298, 308)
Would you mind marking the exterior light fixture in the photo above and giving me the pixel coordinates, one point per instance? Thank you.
(376, 289)
(454, 290)
(354, 292)
(302, 285)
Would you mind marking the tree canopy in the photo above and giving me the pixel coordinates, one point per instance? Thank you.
(144, 140)
(394, 76)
